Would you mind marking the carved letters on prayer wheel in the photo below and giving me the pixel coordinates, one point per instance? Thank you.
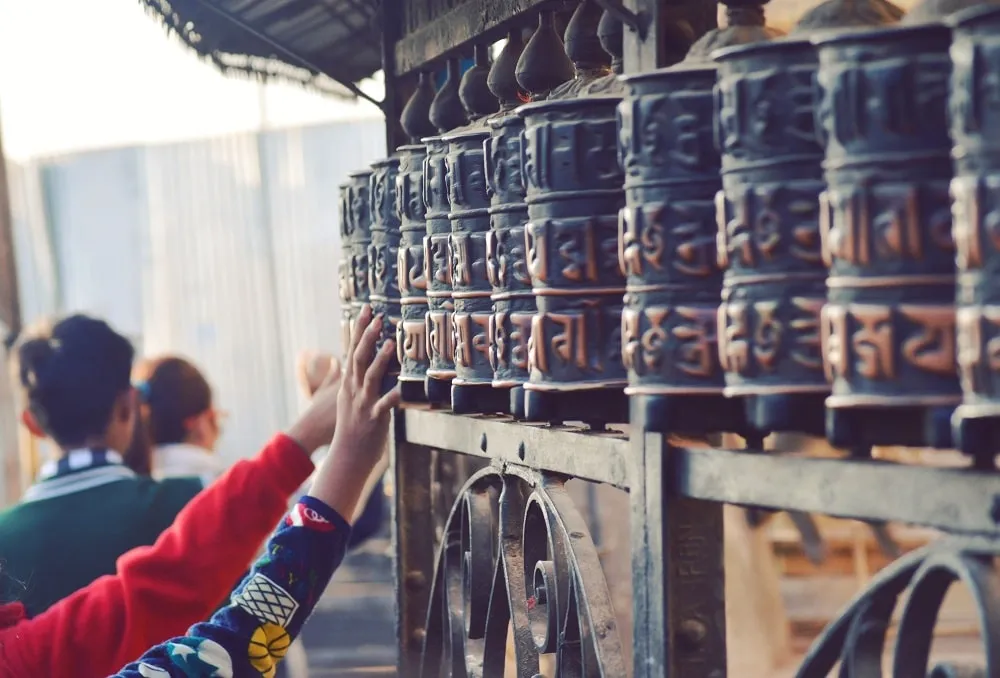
(383, 254)
(437, 273)
(975, 131)
(358, 204)
(666, 248)
(473, 308)
(888, 328)
(346, 271)
(513, 301)
(769, 242)
(574, 192)
(411, 332)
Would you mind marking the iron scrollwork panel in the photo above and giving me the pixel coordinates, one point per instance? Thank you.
(857, 639)
(517, 557)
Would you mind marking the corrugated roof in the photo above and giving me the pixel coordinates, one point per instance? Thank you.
(324, 44)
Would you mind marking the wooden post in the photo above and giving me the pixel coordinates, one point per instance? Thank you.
(10, 322)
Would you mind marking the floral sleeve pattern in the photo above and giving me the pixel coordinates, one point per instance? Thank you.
(266, 612)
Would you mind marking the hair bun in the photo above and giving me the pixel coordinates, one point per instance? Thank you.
(33, 357)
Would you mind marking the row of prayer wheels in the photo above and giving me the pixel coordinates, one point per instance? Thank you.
(779, 233)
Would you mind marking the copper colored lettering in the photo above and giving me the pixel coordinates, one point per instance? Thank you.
(461, 272)
(835, 341)
(737, 338)
(520, 332)
(767, 334)
(766, 223)
(414, 344)
(654, 338)
(872, 341)
(721, 243)
(481, 339)
(577, 247)
(536, 248)
(631, 349)
(739, 236)
(538, 358)
(696, 254)
(570, 344)
(897, 226)
(498, 341)
(932, 349)
(806, 350)
(698, 342)
(461, 324)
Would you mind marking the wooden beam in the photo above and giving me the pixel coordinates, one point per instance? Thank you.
(458, 29)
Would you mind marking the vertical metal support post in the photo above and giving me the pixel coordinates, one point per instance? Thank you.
(392, 102)
(678, 572)
(412, 544)
(671, 27)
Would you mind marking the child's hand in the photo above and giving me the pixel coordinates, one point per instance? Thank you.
(312, 369)
(316, 426)
(362, 419)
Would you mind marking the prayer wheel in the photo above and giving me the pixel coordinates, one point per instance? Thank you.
(437, 273)
(472, 387)
(346, 275)
(768, 214)
(667, 251)
(359, 209)
(975, 129)
(888, 328)
(574, 189)
(513, 302)
(411, 331)
(383, 254)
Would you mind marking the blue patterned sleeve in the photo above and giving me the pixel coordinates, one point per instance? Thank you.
(266, 612)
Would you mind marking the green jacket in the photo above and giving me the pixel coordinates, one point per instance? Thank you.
(71, 526)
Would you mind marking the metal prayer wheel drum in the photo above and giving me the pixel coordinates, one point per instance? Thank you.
(359, 228)
(975, 129)
(574, 192)
(666, 250)
(472, 388)
(346, 275)
(383, 255)
(888, 329)
(506, 264)
(768, 234)
(437, 274)
(411, 331)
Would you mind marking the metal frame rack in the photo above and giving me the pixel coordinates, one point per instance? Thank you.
(488, 546)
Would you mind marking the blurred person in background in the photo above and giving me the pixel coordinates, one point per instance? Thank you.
(87, 507)
(179, 426)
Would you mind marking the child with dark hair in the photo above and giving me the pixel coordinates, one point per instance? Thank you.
(180, 577)
(87, 507)
(178, 420)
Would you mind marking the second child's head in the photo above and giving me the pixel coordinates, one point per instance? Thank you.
(177, 403)
(75, 382)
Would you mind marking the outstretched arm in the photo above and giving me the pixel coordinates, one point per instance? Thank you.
(268, 608)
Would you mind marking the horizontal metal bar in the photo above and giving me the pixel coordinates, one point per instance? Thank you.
(576, 452)
(955, 500)
(484, 21)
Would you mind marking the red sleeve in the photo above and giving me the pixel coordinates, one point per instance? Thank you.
(161, 590)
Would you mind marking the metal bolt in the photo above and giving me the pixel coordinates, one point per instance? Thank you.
(541, 595)
(521, 451)
(691, 634)
(482, 443)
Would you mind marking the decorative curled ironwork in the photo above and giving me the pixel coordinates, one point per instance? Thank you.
(517, 559)
(857, 639)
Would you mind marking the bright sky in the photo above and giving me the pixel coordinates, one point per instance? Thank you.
(82, 74)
